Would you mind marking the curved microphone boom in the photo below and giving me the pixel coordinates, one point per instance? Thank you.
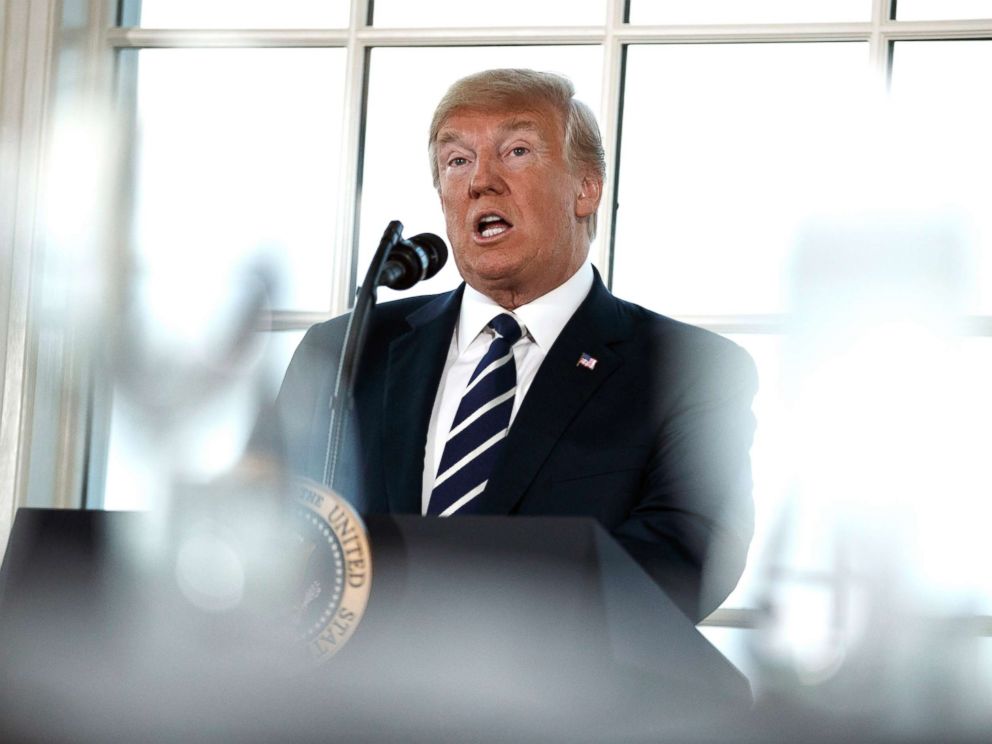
(412, 260)
(398, 263)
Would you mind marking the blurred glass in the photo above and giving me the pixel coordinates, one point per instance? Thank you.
(942, 113)
(732, 643)
(875, 564)
(405, 85)
(235, 183)
(842, 417)
(926, 10)
(756, 11)
(237, 156)
(133, 480)
(771, 462)
(968, 559)
(725, 149)
(465, 13)
(236, 13)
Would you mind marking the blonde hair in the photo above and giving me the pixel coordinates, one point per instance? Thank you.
(519, 89)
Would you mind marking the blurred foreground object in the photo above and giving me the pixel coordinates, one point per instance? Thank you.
(876, 573)
(478, 629)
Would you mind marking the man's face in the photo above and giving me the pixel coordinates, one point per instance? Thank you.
(512, 203)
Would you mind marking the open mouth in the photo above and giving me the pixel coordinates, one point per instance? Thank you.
(491, 225)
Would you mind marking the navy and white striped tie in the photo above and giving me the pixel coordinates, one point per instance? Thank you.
(481, 424)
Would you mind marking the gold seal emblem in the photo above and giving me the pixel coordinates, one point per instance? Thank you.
(336, 572)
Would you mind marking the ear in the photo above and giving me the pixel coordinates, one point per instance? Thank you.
(590, 192)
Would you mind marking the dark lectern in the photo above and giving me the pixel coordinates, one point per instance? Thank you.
(477, 629)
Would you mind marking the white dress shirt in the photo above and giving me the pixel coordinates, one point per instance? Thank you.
(541, 322)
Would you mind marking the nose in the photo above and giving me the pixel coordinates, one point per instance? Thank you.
(487, 177)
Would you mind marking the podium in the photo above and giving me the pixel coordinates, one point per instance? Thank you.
(477, 629)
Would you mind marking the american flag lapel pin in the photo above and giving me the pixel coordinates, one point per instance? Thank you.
(587, 361)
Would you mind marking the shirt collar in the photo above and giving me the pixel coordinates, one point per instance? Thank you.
(543, 318)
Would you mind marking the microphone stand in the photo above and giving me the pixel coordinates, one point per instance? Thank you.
(342, 400)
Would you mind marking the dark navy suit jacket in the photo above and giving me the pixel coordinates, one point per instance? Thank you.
(653, 442)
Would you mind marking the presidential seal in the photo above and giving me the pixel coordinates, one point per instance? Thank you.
(336, 569)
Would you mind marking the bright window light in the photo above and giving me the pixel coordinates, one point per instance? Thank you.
(238, 155)
(926, 10)
(725, 149)
(239, 13)
(942, 114)
(478, 13)
(754, 11)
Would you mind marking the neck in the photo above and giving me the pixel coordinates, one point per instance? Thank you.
(511, 297)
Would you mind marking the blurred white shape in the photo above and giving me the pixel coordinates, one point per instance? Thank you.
(82, 157)
(209, 572)
(771, 449)
(875, 561)
(236, 185)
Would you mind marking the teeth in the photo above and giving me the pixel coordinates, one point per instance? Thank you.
(489, 232)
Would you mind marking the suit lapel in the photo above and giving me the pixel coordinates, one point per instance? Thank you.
(556, 396)
(416, 360)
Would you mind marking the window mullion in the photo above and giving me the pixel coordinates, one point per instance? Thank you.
(345, 246)
(610, 107)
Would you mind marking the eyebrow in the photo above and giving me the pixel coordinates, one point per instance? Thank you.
(519, 125)
(448, 136)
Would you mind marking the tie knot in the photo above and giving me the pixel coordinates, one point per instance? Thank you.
(507, 327)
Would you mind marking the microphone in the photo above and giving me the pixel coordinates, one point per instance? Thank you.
(412, 260)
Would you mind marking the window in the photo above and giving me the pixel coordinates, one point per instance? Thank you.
(297, 139)
(237, 159)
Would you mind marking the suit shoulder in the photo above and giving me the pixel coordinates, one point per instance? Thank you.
(386, 315)
(686, 346)
(661, 328)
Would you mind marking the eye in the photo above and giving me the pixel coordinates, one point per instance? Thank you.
(457, 160)
(519, 151)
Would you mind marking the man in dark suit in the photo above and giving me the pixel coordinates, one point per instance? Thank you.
(531, 389)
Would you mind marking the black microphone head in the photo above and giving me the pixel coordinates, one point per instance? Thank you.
(436, 250)
(413, 260)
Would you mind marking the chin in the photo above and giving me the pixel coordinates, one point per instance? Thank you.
(499, 276)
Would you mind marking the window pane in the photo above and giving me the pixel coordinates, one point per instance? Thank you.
(236, 13)
(237, 160)
(755, 11)
(726, 148)
(446, 13)
(943, 115)
(925, 10)
(404, 87)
